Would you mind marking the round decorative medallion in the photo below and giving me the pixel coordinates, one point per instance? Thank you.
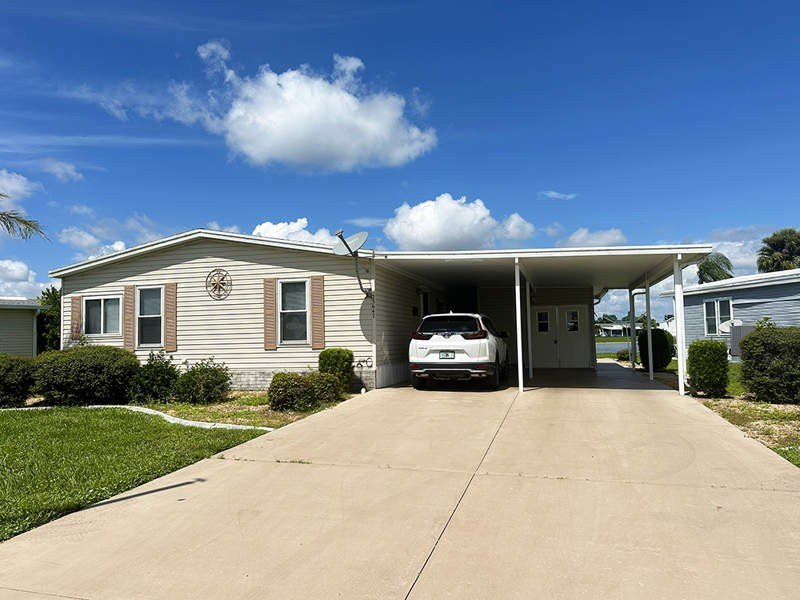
(219, 284)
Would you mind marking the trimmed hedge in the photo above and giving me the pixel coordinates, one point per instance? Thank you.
(291, 391)
(325, 387)
(663, 347)
(624, 354)
(86, 375)
(16, 379)
(339, 362)
(205, 382)
(155, 380)
(771, 364)
(707, 367)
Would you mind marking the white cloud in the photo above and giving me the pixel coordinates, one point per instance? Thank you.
(144, 227)
(14, 270)
(367, 221)
(448, 223)
(294, 230)
(117, 246)
(217, 227)
(61, 170)
(16, 187)
(602, 237)
(78, 238)
(554, 229)
(554, 195)
(81, 209)
(18, 280)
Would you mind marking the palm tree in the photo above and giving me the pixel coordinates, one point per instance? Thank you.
(780, 251)
(714, 267)
(17, 225)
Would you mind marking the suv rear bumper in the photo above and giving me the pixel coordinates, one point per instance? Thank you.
(475, 370)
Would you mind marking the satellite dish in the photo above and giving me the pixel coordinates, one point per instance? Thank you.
(725, 326)
(349, 245)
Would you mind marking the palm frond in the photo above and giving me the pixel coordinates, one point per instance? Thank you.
(714, 267)
(17, 225)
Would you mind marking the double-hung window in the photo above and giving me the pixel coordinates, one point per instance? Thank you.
(101, 316)
(717, 312)
(149, 316)
(293, 312)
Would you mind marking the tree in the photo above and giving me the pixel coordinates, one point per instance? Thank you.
(714, 267)
(17, 225)
(780, 251)
(48, 321)
(606, 318)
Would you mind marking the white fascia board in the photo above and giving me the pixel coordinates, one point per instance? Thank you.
(741, 283)
(550, 252)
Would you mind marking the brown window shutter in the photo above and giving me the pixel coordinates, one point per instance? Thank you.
(317, 312)
(75, 317)
(170, 317)
(129, 317)
(270, 316)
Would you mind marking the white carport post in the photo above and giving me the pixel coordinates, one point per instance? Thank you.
(518, 305)
(677, 274)
(530, 339)
(632, 329)
(649, 328)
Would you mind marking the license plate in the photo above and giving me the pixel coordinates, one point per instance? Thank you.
(447, 354)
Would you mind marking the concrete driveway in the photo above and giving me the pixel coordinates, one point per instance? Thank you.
(607, 488)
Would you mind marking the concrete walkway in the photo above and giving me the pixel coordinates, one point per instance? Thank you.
(607, 488)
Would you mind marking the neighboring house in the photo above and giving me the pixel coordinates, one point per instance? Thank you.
(264, 305)
(668, 324)
(713, 309)
(619, 329)
(18, 326)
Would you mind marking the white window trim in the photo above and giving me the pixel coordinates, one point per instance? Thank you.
(102, 316)
(137, 315)
(715, 302)
(306, 341)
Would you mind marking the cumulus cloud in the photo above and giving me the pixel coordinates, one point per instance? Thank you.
(448, 223)
(217, 227)
(88, 244)
(295, 230)
(81, 209)
(18, 280)
(16, 187)
(554, 229)
(297, 117)
(601, 237)
(63, 171)
(367, 221)
(554, 195)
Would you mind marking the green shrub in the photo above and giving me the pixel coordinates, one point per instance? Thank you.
(205, 382)
(338, 361)
(663, 347)
(16, 380)
(707, 367)
(771, 364)
(155, 380)
(86, 375)
(325, 387)
(624, 354)
(291, 391)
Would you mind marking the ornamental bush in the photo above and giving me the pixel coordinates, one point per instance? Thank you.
(624, 354)
(16, 379)
(205, 382)
(291, 391)
(86, 375)
(339, 362)
(771, 364)
(325, 387)
(707, 367)
(155, 380)
(663, 348)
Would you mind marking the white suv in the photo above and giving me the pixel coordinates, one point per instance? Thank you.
(457, 346)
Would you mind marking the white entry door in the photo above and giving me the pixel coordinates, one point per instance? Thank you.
(573, 338)
(545, 338)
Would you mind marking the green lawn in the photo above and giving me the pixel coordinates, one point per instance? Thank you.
(59, 460)
(608, 340)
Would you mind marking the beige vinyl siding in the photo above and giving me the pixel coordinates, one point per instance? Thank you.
(396, 295)
(232, 330)
(16, 331)
(498, 304)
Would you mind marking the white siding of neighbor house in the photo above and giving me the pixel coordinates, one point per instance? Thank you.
(232, 330)
(16, 331)
(396, 295)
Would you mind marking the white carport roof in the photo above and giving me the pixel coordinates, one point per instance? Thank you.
(603, 268)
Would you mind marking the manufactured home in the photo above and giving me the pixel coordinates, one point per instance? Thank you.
(18, 326)
(265, 305)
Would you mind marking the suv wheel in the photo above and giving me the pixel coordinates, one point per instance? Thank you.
(418, 382)
(493, 381)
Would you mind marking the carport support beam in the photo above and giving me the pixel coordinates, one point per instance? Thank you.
(649, 328)
(632, 329)
(677, 274)
(518, 305)
(529, 338)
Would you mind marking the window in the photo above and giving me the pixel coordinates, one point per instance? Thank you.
(449, 324)
(572, 320)
(543, 321)
(149, 316)
(716, 313)
(293, 312)
(101, 316)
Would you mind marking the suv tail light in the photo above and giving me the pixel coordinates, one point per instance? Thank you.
(416, 335)
(481, 334)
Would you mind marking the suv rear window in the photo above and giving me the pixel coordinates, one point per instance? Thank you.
(449, 324)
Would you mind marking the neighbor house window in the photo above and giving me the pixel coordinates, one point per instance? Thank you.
(543, 321)
(573, 323)
(149, 316)
(717, 312)
(293, 313)
(101, 316)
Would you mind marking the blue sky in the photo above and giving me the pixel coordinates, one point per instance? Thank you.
(574, 123)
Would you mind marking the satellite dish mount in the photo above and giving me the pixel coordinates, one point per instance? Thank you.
(350, 246)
